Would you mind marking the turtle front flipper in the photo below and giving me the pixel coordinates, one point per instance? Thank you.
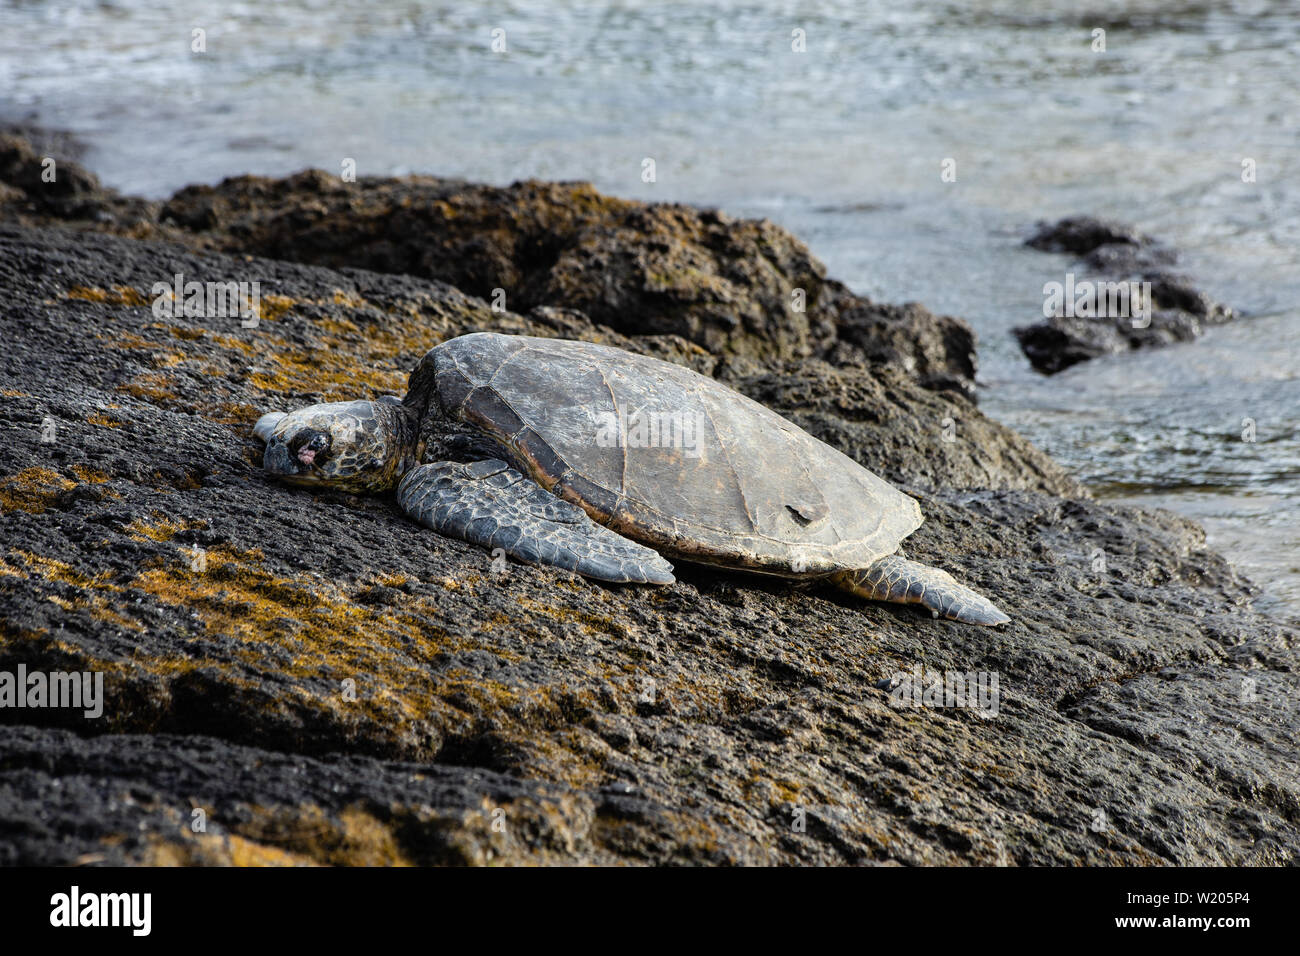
(897, 579)
(490, 504)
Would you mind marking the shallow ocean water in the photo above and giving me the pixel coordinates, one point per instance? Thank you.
(842, 144)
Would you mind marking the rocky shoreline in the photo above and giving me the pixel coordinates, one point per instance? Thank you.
(1094, 314)
(317, 681)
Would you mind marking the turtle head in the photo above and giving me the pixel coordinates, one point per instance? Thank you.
(352, 446)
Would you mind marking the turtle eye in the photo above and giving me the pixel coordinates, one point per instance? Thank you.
(309, 445)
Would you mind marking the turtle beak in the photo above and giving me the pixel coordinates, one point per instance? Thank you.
(276, 458)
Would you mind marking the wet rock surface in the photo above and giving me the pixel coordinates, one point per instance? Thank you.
(1115, 253)
(329, 683)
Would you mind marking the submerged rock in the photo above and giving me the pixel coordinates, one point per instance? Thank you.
(1080, 235)
(1115, 253)
(327, 682)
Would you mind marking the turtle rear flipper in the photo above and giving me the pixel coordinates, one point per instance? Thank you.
(488, 503)
(901, 581)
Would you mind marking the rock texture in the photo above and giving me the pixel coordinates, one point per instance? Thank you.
(1114, 252)
(738, 288)
(300, 678)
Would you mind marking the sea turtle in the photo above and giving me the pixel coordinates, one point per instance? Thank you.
(620, 449)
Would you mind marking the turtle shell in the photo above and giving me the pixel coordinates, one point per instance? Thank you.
(669, 457)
